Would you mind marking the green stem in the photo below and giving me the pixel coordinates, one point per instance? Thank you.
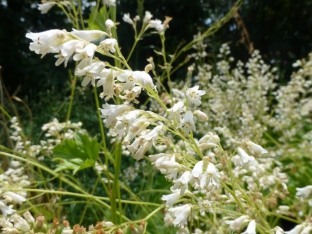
(116, 188)
(73, 86)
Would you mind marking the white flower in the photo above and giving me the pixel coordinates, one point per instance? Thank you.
(109, 2)
(90, 72)
(171, 198)
(237, 223)
(304, 192)
(256, 149)
(278, 230)
(147, 17)
(144, 79)
(110, 113)
(66, 50)
(45, 7)
(10, 196)
(181, 214)
(109, 45)
(109, 24)
(243, 155)
(296, 230)
(6, 209)
(44, 42)
(182, 182)
(8, 230)
(21, 224)
(201, 115)
(175, 111)
(85, 55)
(157, 24)
(193, 95)
(307, 230)
(187, 123)
(251, 229)
(127, 19)
(210, 178)
(89, 35)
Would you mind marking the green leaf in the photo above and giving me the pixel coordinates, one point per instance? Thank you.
(76, 154)
(97, 19)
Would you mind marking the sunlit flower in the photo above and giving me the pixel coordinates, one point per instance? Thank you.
(194, 94)
(201, 115)
(237, 223)
(89, 35)
(251, 229)
(256, 149)
(66, 50)
(109, 2)
(187, 123)
(6, 209)
(296, 230)
(45, 7)
(144, 79)
(110, 112)
(176, 110)
(304, 192)
(147, 17)
(182, 182)
(21, 224)
(181, 214)
(44, 42)
(109, 44)
(171, 198)
(127, 19)
(85, 55)
(10, 196)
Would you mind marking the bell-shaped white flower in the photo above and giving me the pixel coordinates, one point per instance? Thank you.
(109, 44)
(172, 198)
(109, 2)
(90, 72)
(110, 113)
(10, 196)
(85, 55)
(256, 149)
(66, 50)
(201, 115)
(307, 229)
(144, 79)
(89, 35)
(6, 209)
(182, 182)
(21, 224)
(237, 223)
(194, 94)
(181, 214)
(187, 123)
(147, 17)
(243, 155)
(127, 19)
(304, 192)
(251, 229)
(45, 7)
(296, 230)
(45, 42)
(176, 110)
(209, 179)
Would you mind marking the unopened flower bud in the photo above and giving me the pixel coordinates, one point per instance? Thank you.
(148, 67)
(201, 115)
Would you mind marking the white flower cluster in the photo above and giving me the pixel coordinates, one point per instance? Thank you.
(55, 133)
(13, 178)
